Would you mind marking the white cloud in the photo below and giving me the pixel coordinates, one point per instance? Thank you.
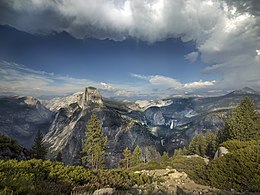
(192, 57)
(18, 79)
(199, 84)
(164, 81)
(226, 36)
(21, 80)
(167, 82)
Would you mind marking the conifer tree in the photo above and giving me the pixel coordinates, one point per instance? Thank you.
(165, 157)
(94, 145)
(242, 124)
(136, 156)
(39, 151)
(211, 142)
(125, 162)
(198, 145)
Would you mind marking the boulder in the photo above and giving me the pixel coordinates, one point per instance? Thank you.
(221, 152)
(104, 191)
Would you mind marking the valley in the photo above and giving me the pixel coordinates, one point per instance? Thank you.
(156, 129)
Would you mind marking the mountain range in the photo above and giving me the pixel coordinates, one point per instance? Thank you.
(156, 125)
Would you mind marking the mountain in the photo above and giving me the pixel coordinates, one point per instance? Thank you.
(21, 117)
(245, 90)
(69, 126)
(156, 126)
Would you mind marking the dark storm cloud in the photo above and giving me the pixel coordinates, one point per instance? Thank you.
(226, 38)
(26, 16)
(250, 6)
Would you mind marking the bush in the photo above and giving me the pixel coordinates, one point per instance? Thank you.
(233, 145)
(239, 170)
(11, 144)
(45, 177)
(148, 166)
(193, 166)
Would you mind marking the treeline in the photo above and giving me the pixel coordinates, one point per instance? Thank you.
(239, 169)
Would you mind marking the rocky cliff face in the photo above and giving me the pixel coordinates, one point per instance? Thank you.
(69, 126)
(155, 129)
(21, 117)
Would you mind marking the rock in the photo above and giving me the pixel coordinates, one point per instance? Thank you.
(91, 96)
(221, 152)
(69, 126)
(21, 117)
(104, 191)
(206, 160)
(9, 149)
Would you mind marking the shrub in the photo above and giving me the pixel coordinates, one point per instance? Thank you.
(233, 145)
(239, 170)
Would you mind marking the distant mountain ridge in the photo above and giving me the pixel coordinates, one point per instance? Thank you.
(161, 126)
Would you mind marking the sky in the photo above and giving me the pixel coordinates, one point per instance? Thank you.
(140, 49)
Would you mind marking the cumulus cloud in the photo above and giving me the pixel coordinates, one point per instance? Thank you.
(226, 32)
(192, 57)
(171, 83)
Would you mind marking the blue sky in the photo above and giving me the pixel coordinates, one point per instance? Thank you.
(129, 48)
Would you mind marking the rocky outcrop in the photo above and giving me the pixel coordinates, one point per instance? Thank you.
(69, 126)
(21, 117)
(104, 191)
(91, 96)
(221, 152)
(9, 149)
(175, 182)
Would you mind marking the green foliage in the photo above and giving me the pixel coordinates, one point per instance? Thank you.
(193, 166)
(136, 156)
(148, 166)
(125, 162)
(39, 151)
(93, 146)
(11, 144)
(45, 177)
(242, 124)
(198, 145)
(165, 157)
(234, 145)
(239, 170)
(180, 152)
(204, 145)
(211, 144)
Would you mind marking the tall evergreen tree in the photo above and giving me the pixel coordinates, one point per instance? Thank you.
(211, 142)
(242, 124)
(39, 151)
(136, 156)
(94, 145)
(125, 162)
(198, 145)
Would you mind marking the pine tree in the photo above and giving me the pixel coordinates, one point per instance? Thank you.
(211, 142)
(59, 157)
(39, 151)
(125, 162)
(165, 157)
(198, 145)
(94, 145)
(242, 124)
(136, 156)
